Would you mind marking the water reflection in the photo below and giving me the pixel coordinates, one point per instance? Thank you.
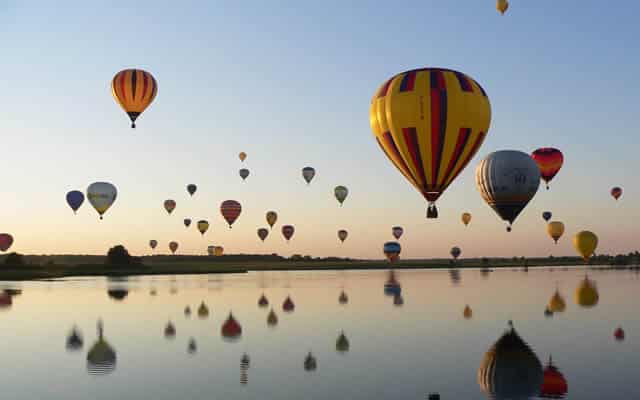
(5, 300)
(392, 286)
(342, 344)
(74, 340)
(557, 303)
(454, 277)
(310, 362)
(272, 318)
(343, 298)
(510, 369)
(101, 358)
(288, 305)
(192, 347)
(203, 311)
(244, 368)
(187, 311)
(170, 330)
(231, 329)
(587, 293)
(263, 301)
(467, 313)
(554, 385)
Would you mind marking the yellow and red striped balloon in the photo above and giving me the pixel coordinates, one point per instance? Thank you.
(430, 123)
(134, 90)
(549, 161)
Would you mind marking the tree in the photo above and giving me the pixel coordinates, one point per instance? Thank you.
(118, 255)
(14, 259)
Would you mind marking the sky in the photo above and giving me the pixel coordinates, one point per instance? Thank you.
(290, 83)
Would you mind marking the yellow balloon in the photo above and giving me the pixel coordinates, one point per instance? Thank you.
(218, 251)
(557, 304)
(466, 217)
(242, 155)
(555, 229)
(585, 243)
(467, 313)
(502, 6)
(587, 293)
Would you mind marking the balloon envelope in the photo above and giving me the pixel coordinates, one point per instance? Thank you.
(218, 251)
(101, 195)
(191, 188)
(392, 250)
(242, 155)
(585, 243)
(153, 243)
(263, 233)
(203, 226)
(342, 235)
(308, 173)
(507, 180)
(173, 246)
(287, 231)
(6, 240)
(75, 198)
(502, 6)
(466, 218)
(546, 215)
(549, 161)
(397, 231)
(341, 193)
(244, 173)
(616, 192)
(169, 205)
(272, 217)
(455, 252)
(187, 222)
(134, 90)
(230, 210)
(555, 229)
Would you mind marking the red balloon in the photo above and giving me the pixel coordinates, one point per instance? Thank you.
(6, 241)
(554, 385)
(231, 329)
(288, 305)
(619, 334)
(549, 161)
(230, 210)
(616, 192)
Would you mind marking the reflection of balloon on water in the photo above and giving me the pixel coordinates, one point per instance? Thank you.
(618, 334)
(554, 384)
(242, 156)
(342, 344)
(101, 195)
(507, 180)
(245, 363)
(616, 192)
(392, 251)
(555, 229)
(343, 298)
(191, 188)
(398, 300)
(263, 301)
(74, 340)
(308, 173)
(101, 358)
(455, 252)
(187, 222)
(231, 329)
(549, 161)
(454, 275)
(557, 303)
(170, 205)
(173, 246)
(153, 244)
(547, 312)
(397, 231)
(466, 218)
(134, 90)
(288, 305)
(341, 193)
(203, 226)
(392, 286)
(430, 122)
(310, 362)
(5, 300)
(169, 330)
(467, 313)
(230, 210)
(502, 6)
(6, 240)
(585, 243)
(263, 233)
(510, 369)
(287, 231)
(272, 318)
(203, 311)
(75, 198)
(192, 347)
(117, 294)
(342, 235)
(587, 293)
(546, 215)
(271, 217)
(187, 311)
(244, 173)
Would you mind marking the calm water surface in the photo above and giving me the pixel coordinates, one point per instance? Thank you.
(394, 351)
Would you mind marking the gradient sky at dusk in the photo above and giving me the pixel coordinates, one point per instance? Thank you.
(290, 83)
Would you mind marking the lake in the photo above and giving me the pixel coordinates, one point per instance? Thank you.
(404, 340)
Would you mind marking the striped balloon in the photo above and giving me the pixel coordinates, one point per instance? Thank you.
(134, 90)
(230, 210)
(549, 161)
(430, 123)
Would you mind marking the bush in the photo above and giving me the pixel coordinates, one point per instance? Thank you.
(14, 259)
(118, 255)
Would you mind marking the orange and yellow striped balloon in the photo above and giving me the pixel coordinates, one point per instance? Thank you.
(430, 123)
(134, 90)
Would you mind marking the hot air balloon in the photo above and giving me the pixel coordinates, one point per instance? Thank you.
(6, 240)
(263, 233)
(101, 358)
(153, 244)
(134, 90)
(616, 192)
(169, 205)
(75, 198)
(392, 251)
(455, 252)
(187, 222)
(203, 311)
(310, 363)
(101, 195)
(231, 329)
(546, 215)
(242, 156)
(510, 369)
(555, 229)
(467, 313)
(170, 330)
(430, 122)
(586, 293)
(272, 318)
(191, 188)
(341, 193)
(585, 243)
(549, 161)
(218, 251)
(244, 173)
(230, 210)
(554, 385)
(397, 231)
(288, 305)
(211, 250)
(343, 298)
(466, 218)
(272, 217)
(308, 173)
(263, 302)
(287, 231)
(557, 303)
(203, 226)
(342, 343)
(507, 181)
(502, 6)
(173, 246)
(342, 235)
(618, 334)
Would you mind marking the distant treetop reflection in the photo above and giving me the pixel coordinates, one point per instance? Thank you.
(101, 359)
